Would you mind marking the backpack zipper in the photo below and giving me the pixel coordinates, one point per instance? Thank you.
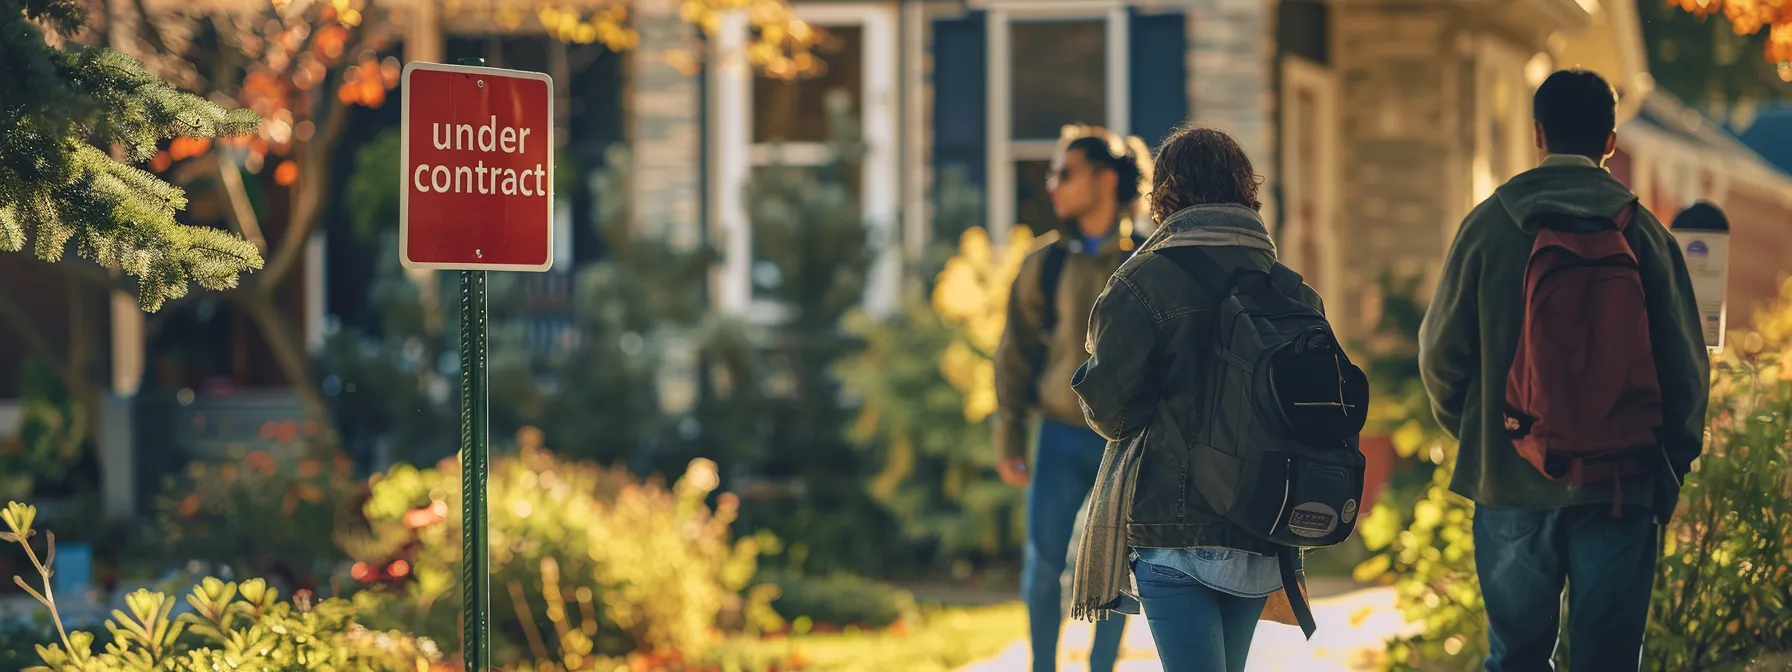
(1287, 484)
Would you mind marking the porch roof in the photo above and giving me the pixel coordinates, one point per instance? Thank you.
(1663, 119)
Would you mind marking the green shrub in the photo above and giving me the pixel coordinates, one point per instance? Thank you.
(232, 626)
(936, 467)
(52, 429)
(227, 513)
(1722, 591)
(1725, 586)
(585, 561)
(840, 600)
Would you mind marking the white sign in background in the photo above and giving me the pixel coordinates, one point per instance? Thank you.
(1707, 260)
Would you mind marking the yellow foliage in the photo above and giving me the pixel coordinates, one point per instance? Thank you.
(971, 296)
(1408, 438)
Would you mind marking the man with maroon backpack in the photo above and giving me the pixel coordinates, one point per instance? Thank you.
(1563, 349)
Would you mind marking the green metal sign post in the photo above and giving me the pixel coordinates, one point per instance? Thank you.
(475, 468)
(477, 165)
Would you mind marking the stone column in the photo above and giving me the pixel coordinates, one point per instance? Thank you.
(665, 108)
(1404, 168)
(664, 127)
(1231, 86)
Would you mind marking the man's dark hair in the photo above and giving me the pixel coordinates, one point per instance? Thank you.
(1578, 111)
(1201, 166)
(1105, 150)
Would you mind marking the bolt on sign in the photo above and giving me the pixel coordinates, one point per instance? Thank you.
(478, 170)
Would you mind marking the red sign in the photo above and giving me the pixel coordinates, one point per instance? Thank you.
(478, 169)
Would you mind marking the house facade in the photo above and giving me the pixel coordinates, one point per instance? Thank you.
(1672, 157)
(1377, 125)
(975, 89)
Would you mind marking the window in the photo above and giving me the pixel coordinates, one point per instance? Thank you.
(792, 111)
(757, 122)
(1059, 76)
(1048, 67)
(793, 123)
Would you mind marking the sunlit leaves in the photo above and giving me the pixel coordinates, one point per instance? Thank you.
(971, 296)
(554, 528)
(1748, 17)
(57, 186)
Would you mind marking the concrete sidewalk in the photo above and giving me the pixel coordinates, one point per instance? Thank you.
(1353, 629)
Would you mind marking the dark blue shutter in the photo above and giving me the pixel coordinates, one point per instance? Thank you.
(960, 119)
(1158, 53)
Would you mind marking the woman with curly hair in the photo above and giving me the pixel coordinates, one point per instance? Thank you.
(1203, 581)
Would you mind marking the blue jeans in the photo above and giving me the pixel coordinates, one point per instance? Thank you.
(1197, 629)
(1524, 557)
(1063, 473)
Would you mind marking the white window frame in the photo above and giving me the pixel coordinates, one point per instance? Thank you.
(1299, 74)
(734, 154)
(1002, 150)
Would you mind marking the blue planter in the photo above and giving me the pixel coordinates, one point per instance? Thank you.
(73, 576)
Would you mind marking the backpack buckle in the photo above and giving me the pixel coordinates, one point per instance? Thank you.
(1518, 425)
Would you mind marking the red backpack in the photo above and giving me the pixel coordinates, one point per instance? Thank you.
(1583, 403)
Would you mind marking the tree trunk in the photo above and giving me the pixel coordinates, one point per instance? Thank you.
(289, 352)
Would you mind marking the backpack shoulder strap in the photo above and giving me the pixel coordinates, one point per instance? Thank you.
(1049, 275)
(1202, 267)
(1625, 216)
(1286, 279)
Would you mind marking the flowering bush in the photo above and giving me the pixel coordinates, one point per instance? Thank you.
(586, 561)
(232, 627)
(226, 513)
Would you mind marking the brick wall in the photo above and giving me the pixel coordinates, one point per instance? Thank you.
(664, 126)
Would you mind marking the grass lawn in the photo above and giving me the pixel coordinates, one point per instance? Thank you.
(945, 639)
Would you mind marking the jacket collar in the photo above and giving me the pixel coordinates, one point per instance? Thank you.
(1213, 226)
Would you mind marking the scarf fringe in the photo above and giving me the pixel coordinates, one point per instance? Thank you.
(1101, 567)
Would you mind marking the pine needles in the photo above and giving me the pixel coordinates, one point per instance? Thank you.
(58, 107)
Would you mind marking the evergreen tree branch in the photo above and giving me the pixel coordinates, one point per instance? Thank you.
(57, 187)
(12, 230)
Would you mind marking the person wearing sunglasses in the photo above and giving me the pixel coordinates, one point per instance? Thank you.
(1095, 184)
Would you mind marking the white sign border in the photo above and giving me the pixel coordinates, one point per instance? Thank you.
(404, 162)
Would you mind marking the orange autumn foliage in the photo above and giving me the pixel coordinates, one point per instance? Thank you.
(286, 174)
(1748, 17)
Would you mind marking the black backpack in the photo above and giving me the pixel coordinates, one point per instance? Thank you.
(1284, 405)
